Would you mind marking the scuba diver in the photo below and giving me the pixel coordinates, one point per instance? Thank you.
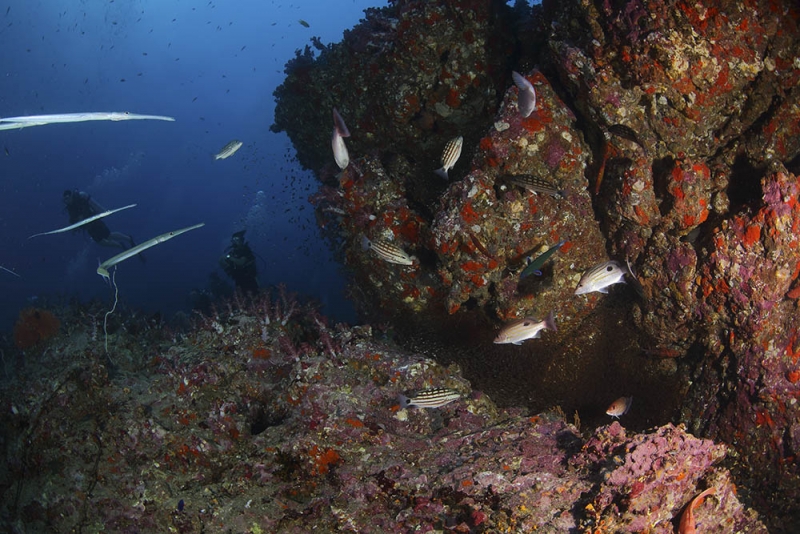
(80, 206)
(239, 263)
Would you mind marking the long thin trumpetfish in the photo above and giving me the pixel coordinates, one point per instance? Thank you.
(10, 271)
(10, 123)
(84, 221)
(102, 270)
(17, 125)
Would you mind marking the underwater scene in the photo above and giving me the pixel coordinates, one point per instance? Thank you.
(464, 266)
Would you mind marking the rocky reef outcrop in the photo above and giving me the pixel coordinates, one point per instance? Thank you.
(265, 418)
(670, 130)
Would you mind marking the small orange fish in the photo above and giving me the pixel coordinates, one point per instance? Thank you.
(687, 525)
(619, 407)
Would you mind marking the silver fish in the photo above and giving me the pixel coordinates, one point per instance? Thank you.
(338, 123)
(10, 271)
(429, 398)
(619, 407)
(450, 155)
(340, 131)
(535, 184)
(228, 150)
(599, 277)
(340, 154)
(387, 251)
(526, 96)
(523, 329)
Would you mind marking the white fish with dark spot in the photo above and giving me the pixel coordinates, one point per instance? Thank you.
(228, 150)
(450, 155)
(387, 251)
(600, 277)
(429, 398)
(619, 407)
(526, 96)
(523, 329)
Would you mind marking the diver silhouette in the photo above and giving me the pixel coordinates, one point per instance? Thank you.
(239, 263)
(80, 205)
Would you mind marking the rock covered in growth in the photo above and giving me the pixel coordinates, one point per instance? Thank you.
(486, 226)
(689, 78)
(269, 420)
(751, 381)
(672, 129)
(705, 205)
(407, 78)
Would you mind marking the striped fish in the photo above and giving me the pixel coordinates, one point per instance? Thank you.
(450, 155)
(429, 398)
(228, 150)
(600, 277)
(526, 96)
(535, 184)
(387, 251)
(523, 329)
(628, 133)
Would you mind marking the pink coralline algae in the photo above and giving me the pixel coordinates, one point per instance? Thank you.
(189, 436)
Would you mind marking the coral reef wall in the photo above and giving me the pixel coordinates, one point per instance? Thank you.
(671, 130)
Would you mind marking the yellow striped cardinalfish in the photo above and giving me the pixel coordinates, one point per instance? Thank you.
(387, 251)
(450, 155)
(526, 96)
(429, 398)
(600, 277)
(523, 329)
(619, 407)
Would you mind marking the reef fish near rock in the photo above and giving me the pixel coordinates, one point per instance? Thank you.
(430, 398)
(536, 265)
(526, 96)
(340, 131)
(619, 407)
(523, 329)
(535, 184)
(687, 524)
(228, 150)
(600, 277)
(450, 155)
(387, 251)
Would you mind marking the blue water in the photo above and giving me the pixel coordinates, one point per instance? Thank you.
(211, 65)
